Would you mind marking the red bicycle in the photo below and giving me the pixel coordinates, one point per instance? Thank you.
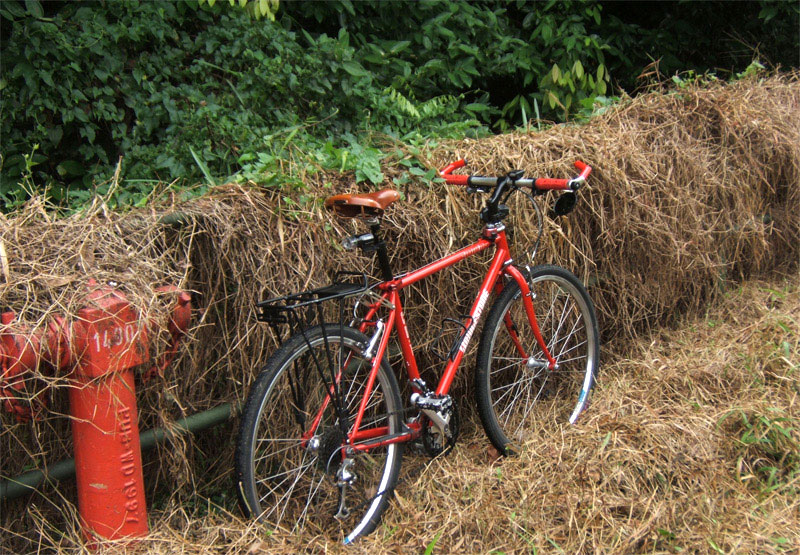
(324, 425)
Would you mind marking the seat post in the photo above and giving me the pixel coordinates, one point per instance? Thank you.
(380, 248)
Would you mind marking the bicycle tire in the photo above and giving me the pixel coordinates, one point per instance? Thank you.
(515, 394)
(290, 482)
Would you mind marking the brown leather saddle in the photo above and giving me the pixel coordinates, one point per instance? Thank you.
(365, 206)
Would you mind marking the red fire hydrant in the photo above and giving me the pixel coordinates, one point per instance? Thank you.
(101, 347)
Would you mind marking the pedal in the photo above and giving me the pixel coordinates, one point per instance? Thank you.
(431, 401)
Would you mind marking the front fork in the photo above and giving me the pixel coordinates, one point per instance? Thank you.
(527, 302)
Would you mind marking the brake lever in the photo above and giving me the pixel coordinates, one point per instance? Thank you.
(576, 183)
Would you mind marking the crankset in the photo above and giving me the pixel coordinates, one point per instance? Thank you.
(437, 441)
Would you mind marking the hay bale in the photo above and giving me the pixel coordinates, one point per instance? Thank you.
(691, 190)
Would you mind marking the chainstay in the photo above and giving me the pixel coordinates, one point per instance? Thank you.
(410, 474)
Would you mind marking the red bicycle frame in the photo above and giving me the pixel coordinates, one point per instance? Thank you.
(493, 235)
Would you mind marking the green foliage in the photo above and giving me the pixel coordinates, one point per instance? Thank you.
(712, 36)
(770, 448)
(256, 9)
(204, 90)
(500, 60)
(268, 167)
(79, 88)
(563, 56)
(428, 48)
(182, 92)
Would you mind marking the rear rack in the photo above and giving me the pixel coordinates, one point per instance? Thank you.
(301, 312)
(289, 309)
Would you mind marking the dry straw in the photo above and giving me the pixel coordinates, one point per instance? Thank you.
(692, 190)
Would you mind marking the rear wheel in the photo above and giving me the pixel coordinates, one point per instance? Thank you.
(516, 391)
(294, 467)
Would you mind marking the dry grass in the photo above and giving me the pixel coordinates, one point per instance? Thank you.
(657, 464)
(691, 192)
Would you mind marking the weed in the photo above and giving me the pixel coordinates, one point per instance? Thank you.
(769, 448)
(432, 544)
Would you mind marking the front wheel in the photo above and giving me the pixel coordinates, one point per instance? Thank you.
(296, 468)
(516, 391)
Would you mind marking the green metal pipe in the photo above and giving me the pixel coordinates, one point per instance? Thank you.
(28, 482)
(176, 219)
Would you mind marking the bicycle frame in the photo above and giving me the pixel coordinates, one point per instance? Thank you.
(322, 433)
(502, 264)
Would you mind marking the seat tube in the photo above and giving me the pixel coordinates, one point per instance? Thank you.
(376, 362)
(383, 255)
(410, 361)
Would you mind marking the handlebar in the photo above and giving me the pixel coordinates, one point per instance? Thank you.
(541, 183)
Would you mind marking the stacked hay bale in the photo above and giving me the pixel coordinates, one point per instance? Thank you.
(691, 189)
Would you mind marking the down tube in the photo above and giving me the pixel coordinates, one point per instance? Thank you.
(500, 258)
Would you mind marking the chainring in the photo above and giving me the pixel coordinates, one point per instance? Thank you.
(432, 441)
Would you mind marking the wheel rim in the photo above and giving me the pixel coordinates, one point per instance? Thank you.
(294, 488)
(524, 393)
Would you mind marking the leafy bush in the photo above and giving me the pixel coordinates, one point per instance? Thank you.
(188, 90)
(504, 59)
(178, 91)
(82, 89)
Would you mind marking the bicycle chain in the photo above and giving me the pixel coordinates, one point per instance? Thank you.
(420, 448)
